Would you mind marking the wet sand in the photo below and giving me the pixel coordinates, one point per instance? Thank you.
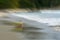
(6, 33)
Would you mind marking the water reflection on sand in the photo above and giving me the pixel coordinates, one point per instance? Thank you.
(30, 35)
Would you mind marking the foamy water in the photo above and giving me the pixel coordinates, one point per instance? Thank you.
(51, 17)
(46, 33)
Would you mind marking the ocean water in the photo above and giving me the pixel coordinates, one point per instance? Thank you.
(46, 34)
(48, 17)
(38, 19)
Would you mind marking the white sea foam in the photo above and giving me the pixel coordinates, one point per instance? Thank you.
(52, 17)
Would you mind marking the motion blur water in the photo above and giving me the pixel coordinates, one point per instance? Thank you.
(34, 33)
(50, 35)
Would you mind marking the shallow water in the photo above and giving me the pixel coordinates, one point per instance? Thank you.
(45, 33)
